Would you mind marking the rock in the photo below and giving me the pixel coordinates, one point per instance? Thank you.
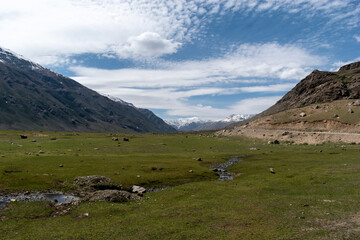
(270, 142)
(254, 149)
(138, 189)
(335, 116)
(302, 114)
(285, 133)
(61, 165)
(272, 171)
(356, 103)
(41, 151)
(191, 171)
(138, 176)
(111, 196)
(316, 107)
(23, 137)
(350, 110)
(33, 140)
(276, 142)
(125, 139)
(53, 138)
(199, 159)
(115, 139)
(90, 183)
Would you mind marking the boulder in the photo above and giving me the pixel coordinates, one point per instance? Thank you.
(111, 196)
(302, 114)
(92, 182)
(115, 139)
(138, 189)
(350, 110)
(356, 103)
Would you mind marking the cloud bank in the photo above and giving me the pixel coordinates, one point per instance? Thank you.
(170, 86)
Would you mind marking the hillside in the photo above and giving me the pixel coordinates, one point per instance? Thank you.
(322, 103)
(36, 98)
(320, 87)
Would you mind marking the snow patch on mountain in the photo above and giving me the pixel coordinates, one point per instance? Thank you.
(9, 57)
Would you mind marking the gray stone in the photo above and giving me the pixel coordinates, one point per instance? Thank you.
(111, 196)
(302, 114)
(138, 189)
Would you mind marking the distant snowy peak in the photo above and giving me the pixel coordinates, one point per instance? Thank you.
(11, 58)
(196, 124)
(181, 122)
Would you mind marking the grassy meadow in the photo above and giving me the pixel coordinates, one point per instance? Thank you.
(314, 193)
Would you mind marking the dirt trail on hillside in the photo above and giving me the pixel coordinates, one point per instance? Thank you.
(297, 136)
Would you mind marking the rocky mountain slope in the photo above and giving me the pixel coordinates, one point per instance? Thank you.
(319, 87)
(323, 103)
(196, 124)
(35, 98)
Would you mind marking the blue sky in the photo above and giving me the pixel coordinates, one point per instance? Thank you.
(186, 58)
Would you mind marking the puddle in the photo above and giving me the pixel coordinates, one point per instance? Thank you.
(32, 197)
(221, 169)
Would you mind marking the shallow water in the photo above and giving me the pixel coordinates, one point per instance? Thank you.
(32, 197)
(222, 168)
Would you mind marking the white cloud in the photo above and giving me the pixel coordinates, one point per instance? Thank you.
(148, 44)
(269, 88)
(47, 31)
(357, 37)
(171, 84)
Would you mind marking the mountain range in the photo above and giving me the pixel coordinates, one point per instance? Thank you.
(196, 124)
(36, 98)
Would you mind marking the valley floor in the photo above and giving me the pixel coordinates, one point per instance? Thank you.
(312, 194)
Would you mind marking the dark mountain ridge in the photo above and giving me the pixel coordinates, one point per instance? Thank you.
(35, 98)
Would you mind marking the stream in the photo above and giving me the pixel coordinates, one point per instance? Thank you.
(60, 197)
(222, 171)
(32, 197)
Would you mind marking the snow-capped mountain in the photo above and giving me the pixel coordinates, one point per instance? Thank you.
(196, 124)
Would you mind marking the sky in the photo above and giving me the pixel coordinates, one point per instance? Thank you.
(185, 58)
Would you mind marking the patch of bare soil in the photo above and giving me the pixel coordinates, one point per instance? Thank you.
(345, 228)
(298, 132)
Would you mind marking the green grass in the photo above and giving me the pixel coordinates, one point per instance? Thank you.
(312, 195)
